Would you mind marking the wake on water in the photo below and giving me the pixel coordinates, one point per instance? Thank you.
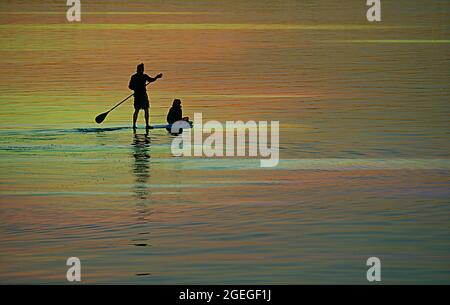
(107, 129)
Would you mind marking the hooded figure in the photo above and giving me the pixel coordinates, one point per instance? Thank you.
(175, 112)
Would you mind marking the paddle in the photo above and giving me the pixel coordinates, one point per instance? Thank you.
(101, 117)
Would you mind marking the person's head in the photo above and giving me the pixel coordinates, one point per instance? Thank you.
(176, 103)
(140, 68)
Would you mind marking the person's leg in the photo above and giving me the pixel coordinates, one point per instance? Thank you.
(146, 118)
(135, 116)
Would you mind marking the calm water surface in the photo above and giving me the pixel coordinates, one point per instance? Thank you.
(364, 143)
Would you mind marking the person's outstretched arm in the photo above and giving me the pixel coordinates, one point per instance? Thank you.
(152, 79)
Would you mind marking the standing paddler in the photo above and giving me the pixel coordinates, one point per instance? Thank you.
(138, 83)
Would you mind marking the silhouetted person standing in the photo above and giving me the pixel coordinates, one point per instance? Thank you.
(138, 84)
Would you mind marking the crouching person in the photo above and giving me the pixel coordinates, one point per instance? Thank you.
(175, 114)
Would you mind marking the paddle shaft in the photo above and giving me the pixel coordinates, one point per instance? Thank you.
(123, 101)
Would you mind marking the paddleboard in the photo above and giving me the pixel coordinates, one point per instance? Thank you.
(168, 126)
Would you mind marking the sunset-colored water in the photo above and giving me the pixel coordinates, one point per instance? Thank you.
(364, 142)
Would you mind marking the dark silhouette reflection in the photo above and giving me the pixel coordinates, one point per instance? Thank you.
(141, 168)
(142, 173)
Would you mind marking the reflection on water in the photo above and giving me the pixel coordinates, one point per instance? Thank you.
(142, 174)
(141, 168)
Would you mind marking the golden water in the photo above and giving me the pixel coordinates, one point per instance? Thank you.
(364, 142)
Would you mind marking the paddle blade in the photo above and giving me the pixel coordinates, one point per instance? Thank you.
(101, 117)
